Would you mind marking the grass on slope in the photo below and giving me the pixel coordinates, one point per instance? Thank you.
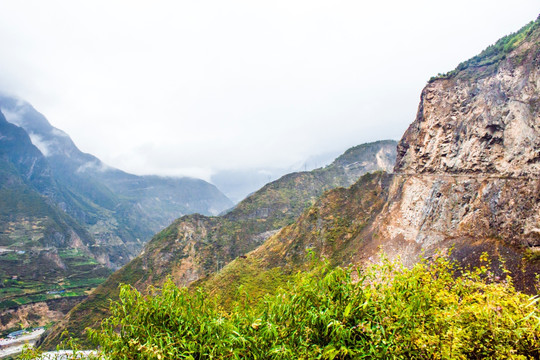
(495, 53)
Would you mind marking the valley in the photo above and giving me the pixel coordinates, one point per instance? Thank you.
(67, 220)
(464, 184)
(195, 246)
(424, 248)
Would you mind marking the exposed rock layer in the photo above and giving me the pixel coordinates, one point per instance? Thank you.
(466, 178)
(479, 123)
(36, 314)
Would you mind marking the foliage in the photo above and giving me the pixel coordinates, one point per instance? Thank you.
(493, 54)
(435, 310)
(67, 350)
(209, 243)
(251, 275)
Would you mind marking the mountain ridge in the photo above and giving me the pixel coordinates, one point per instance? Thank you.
(65, 217)
(194, 246)
(465, 182)
(117, 207)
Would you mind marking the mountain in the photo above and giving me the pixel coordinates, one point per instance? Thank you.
(238, 184)
(467, 172)
(465, 181)
(42, 249)
(66, 218)
(194, 246)
(120, 210)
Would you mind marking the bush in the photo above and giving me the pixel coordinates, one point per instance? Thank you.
(495, 53)
(435, 310)
(383, 312)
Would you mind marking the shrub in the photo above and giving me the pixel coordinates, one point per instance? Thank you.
(435, 310)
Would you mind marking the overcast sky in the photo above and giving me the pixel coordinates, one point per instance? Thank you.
(194, 87)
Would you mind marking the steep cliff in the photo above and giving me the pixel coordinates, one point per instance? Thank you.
(466, 181)
(468, 166)
(482, 119)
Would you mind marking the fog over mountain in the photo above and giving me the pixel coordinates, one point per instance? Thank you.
(191, 88)
(238, 183)
(119, 210)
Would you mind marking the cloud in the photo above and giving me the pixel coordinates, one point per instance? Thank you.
(219, 85)
(17, 118)
(58, 132)
(14, 117)
(46, 147)
(93, 166)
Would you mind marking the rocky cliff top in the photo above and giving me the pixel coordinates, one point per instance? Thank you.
(483, 117)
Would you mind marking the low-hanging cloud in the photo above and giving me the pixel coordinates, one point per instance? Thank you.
(193, 88)
(46, 147)
(14, 117)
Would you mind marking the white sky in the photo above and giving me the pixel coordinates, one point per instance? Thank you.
(192, 87)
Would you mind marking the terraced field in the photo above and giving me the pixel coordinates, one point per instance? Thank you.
(25, 281)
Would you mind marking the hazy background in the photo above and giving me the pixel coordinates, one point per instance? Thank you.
(233, 88)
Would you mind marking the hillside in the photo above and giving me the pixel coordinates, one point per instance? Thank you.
(42, 250)
(122, 211)
(66, 219)
(194, 246)
(466, 181)
(333, 228)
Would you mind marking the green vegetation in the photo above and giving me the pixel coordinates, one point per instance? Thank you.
(31, 276)
(495, 53)
(244, 276)
(435, 310)
(531, 255)
(207, 244)
(32, 292)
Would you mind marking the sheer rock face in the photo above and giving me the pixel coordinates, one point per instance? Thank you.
(468, 167)
(430, 211)
(466, 177)
(474, 124)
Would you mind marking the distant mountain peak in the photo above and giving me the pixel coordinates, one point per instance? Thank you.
(92, 192)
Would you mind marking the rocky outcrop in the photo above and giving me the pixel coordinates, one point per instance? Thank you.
(466, 180)
(37, 314)
(479, 123)
(469, 165)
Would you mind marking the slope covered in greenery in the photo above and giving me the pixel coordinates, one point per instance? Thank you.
(334, 228)
(492, 56)
(32, 229)
(435, 310)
